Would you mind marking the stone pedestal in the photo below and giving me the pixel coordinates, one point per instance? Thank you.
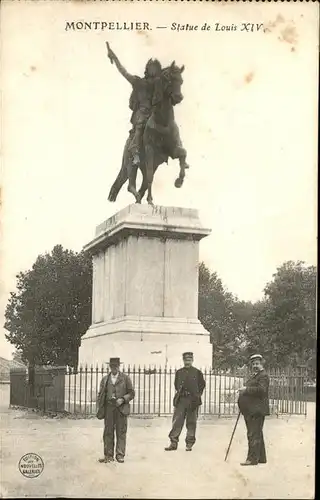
(145, 288)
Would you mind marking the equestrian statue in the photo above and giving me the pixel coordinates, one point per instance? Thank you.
(154, 136)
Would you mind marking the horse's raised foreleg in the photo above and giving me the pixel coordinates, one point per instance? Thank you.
(180, 153)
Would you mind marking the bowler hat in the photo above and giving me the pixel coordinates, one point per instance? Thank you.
(114, 361)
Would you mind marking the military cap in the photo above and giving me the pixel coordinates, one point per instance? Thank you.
(186, 355)
(114, 361)
(255, 356)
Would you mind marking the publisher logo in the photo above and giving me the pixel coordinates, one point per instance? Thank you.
(31, 465)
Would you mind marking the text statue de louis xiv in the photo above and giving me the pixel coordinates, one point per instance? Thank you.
(154, 136)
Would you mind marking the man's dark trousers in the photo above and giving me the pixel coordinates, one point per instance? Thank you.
(114, 422)
(256, 448)
(184, 411)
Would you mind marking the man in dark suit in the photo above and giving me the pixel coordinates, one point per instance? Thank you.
(189, 384)
(116, 391)
(253, 403)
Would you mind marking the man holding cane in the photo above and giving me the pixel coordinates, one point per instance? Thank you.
(253, 403)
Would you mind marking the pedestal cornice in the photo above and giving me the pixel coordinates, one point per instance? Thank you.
(147, 221)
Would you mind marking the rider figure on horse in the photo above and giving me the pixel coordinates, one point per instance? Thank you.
(146, 93)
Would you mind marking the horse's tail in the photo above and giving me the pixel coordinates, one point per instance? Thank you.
(118, 183)
(122, 177)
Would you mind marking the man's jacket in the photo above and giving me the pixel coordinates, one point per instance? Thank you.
(189, 382)
(254, 400)
(123, 389)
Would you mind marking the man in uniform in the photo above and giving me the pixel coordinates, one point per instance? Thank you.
(116, 391)
(145, 94)
(189, 384)
(253, 403)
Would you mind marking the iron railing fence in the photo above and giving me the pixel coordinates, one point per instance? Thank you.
(154, 390)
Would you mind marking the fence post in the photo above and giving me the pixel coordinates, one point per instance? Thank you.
(219, 395)
(144, 389)
(80, 387)
(210, 375)
(149, 390)
(159, 408)
(85, 388)
(18, 387)
(91, 376)
(303, 377)
(170, 389)
(44, 399)
(134, 385)
(139, 388)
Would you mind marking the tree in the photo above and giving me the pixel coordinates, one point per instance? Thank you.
(243, 313)
(51, 308)
(283, 327)
(17, 356)
(224, 317)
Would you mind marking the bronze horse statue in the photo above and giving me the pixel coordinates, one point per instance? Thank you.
(161, 140)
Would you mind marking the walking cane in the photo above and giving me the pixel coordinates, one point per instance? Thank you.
(234, 430)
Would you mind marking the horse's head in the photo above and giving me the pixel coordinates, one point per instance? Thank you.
(173, 77)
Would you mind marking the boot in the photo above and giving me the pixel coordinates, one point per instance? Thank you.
(248, 462)
(171, 447)
(105, 460)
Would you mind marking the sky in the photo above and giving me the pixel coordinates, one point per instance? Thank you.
(248, 121)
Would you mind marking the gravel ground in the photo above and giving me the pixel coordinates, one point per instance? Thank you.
(70, 448)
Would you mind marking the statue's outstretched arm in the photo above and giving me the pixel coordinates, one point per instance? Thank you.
(122, 70)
